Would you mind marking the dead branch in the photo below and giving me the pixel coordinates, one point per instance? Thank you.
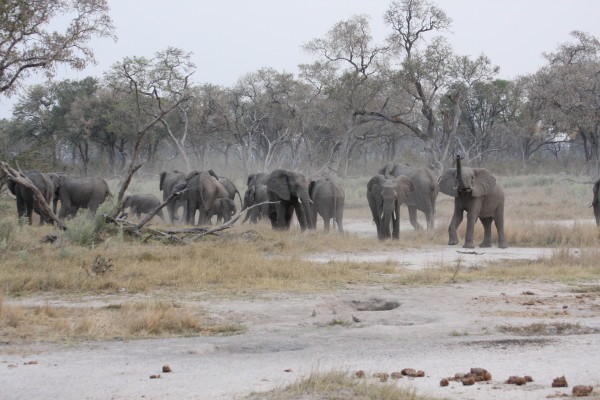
(23, 180)
(469, 252)
(124, 185)
(229, 223)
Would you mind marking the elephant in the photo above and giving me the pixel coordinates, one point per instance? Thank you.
(596, 202)
(26, 203)
(256, 193)
(76, 193)
(289, 190)
(476, 191)
(423, 197)
(168, 181)
(328, 201)
(385, 194)
(203, 190)
(142, 203)
(224, 208)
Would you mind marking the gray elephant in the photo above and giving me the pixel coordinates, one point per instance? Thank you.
(328, 201)
(256, 193)
(475, 191)
(423, 197)
(289, 190)
(142, 204)
(76, 193)
(596, 202)
(224, 208)
(168, 181)
(26, 203)
(385, 195)
(203, 190)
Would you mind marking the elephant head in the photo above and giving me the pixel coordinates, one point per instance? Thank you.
(475, 182)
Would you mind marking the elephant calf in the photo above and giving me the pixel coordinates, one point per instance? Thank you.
(328, 201)
(224, 208)
(142, 204)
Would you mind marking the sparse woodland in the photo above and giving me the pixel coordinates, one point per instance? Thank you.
(358, 105)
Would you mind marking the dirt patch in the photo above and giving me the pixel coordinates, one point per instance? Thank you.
(374, 304)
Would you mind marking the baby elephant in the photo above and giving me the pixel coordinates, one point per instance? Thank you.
(142, 203)
(223, 208)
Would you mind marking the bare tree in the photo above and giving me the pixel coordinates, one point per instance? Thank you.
(28, 41)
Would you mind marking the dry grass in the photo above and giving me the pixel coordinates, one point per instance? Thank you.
(544, 329)
(127, 321)
(230, 264)
(337, 385)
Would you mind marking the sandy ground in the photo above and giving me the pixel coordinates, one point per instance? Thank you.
(440, 330)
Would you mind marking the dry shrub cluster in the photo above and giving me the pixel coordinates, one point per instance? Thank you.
(130, 320)
(337, 385)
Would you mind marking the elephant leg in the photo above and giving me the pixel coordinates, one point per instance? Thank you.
(487, 232)
(499, 221)
(338, 221)
(597, 214)
(29, 213)
(326, 222)
(412, 215)
(430, 216)
(472, 216)
(454, 224)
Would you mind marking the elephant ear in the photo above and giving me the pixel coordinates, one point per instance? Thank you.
(483, 182)
(12, 186)
(404, 187)
(447, 182)
(162, 179)
(278, 183)
(251, 178)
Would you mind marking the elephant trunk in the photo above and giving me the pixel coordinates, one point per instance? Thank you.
(386, 222)
(460, 182)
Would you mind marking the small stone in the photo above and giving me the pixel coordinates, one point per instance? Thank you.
(444, 382)
(459, 375)
(516, 380)
(468, 381)
(287, 370)
(528, 378)
(408, 371)
(528, 293)
(314, 313)
(166, 369)
(396, 375)
(359, 374)
(355, 319)
(560, 382)
(382, 376)
(31, 363)
(154, 376)
(582, 390)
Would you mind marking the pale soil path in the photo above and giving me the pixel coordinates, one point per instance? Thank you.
(441, 330)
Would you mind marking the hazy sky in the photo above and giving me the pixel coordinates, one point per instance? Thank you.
(229, 38)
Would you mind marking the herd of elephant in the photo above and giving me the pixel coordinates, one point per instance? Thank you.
(281, 193)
